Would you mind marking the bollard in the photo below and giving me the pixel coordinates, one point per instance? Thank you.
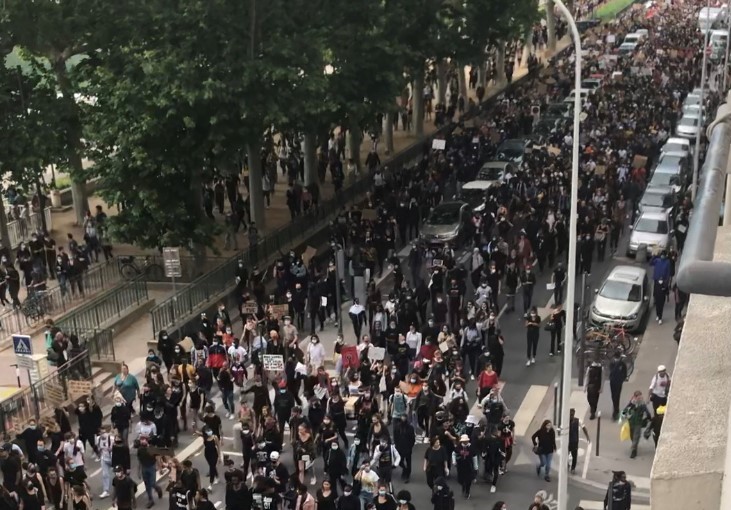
(598, 430)
(237, 446)
(555, 404)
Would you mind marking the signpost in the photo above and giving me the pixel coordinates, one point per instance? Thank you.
(23, 348)
(172, 265)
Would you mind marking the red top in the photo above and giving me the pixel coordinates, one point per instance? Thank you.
(487, 380)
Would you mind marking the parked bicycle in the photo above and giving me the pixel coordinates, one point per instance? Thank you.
(130, 268)
(610, 335)
(34, 307)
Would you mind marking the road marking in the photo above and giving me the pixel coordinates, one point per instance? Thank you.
(587, 456)
(218, 504)
(235, 454)
(528, 408)
(95, 473)
(599, 505)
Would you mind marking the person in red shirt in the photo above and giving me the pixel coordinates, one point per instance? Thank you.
(488, 378)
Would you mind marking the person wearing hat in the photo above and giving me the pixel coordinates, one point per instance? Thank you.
(464, 458)
(123, 490)
(659, 387)
(619, 493)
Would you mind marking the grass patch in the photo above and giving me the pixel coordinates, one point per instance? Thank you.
(611, 8)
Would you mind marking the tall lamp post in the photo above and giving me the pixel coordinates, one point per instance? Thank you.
(563, 467)
(696, 155)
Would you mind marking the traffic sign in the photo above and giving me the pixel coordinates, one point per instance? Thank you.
(22, 345)
(171, 261)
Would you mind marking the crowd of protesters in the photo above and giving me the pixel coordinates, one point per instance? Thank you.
(422, 351)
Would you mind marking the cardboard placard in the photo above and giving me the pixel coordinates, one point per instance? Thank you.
(541, 89)
(600, 169)
(583, 116)
(639, 161)
(438, 145)
(249, 308)
(301, 369)
(350, 356)
(369, 214)
(611, 39)
(186, 344)
(308, 254)
(279, 311)
(54, 395)
(444, 346)
(472, 420)
(376, 353)
(673, 54)
(554, 150)
(79, 389)
(273, 362)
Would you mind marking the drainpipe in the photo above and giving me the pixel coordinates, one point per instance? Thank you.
(697, 272)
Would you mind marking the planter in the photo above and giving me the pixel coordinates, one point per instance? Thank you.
(55, 198)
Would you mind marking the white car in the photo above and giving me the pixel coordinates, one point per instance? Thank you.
(654, 230)
(677, 144)
(627, 48)
(688, 126)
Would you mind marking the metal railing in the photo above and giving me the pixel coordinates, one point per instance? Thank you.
(41, 398)
(57, 301)
(21, 230)
(152, 268)
(90, 316)
(99, 342)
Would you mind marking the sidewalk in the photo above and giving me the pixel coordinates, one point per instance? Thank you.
(657, 348)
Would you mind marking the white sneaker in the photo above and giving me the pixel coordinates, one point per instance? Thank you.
(527, 363)
(210, 488)
(472, 377)
(215, 481)
(493, 489)
(313, 480)
(659, 321)
(656, 319)
(532, 361)
(103, 495)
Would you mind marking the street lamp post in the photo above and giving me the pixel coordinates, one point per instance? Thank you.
(338, 251)
(701, 110)
(563, 467)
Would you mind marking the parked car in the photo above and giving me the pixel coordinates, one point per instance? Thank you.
(446, 223)
(512, 150)
(677, 144)
(654, 230)
(688, 125)
(623, 298)
(668, 176)
(657, 199)
(676, 162)
(627, 48)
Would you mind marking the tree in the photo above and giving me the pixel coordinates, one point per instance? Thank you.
(55, 32)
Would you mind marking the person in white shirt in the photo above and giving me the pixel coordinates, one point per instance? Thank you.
(357, 316)
(315, 354)
(73, 451)
(237, 353)
(659, 387)
(413, 340)
(457, 390)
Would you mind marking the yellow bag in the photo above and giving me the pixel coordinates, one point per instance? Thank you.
(624, 432)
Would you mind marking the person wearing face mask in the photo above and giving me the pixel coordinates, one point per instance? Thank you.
(533, 331)
(348, 501)
(337, 465)
(527, 282)
(587, 254)
(299, 305)
(212, 454)
(465, 460)
(512, 277)
(442, 496)
(88, 425)
(315, 354)
(216, 356)
(385, 458)
(166, 346)
(384, 499)
(30, 436)
(368, 479)
(357, 316)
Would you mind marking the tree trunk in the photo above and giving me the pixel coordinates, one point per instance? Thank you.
(73, 138)
(5, 241)
(527, 48)
(442, 81)
(389, 132)
(482, 74)
(500, 78)
(198, 250)
(551, 26)
(461, 82)
(256, 195)
(310, 153)
(354, 140)
(417, 95)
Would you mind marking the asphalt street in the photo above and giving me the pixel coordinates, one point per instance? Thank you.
(527, 393)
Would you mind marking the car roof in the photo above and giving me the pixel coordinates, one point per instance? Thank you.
(659, 190)
(678, 140)
(496, 164)
(668, 168)
(676, 154)
(478, 185)
(652, 215)
(629, 274)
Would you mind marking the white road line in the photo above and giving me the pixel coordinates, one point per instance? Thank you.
(599, 505)
(95, 473)
(235, 454)
(218, 504)
(528, 408)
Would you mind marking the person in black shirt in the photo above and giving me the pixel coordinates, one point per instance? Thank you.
(30, 437)
(124, 490)
(201, 501)
(617, 376)
(30, 497)
(454, 294)
(179, 496)
(10, 467)
(237, 493)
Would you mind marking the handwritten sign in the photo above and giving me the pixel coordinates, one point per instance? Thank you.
(53, 394)
(369, 215)
(249, 308)
(439, 145)
(376, 353)
(279, 311)
(273, 362)
(308, 254)
(79, 389)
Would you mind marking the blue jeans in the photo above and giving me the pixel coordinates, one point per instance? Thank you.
(544, 460)
(148, 477)
(228, 400)
(365, 498)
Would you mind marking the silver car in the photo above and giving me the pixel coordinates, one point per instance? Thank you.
(657, 199)
(446, 223)
(654, 230)
(688, 126)
(623, 298)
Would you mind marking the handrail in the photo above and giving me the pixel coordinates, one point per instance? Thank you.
(698, 273)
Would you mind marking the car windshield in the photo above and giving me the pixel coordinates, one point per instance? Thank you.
(672, 147)
(664, 179)
(474, 197)
(490, 173)
(512, 149)
(689, 121)
(656, 200)
(621, 291)
(652, 226)
(444, 216)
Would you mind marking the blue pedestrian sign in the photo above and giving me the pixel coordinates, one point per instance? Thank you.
(22, 345)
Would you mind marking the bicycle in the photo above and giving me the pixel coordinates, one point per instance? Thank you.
(34, 307)
(129, 268)
(610, 335)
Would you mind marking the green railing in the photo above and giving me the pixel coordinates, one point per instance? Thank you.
(96, 312)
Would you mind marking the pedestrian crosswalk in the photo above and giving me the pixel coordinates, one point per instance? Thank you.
(528, 408)
(599, 505)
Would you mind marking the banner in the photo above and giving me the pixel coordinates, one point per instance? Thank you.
(350, 356)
